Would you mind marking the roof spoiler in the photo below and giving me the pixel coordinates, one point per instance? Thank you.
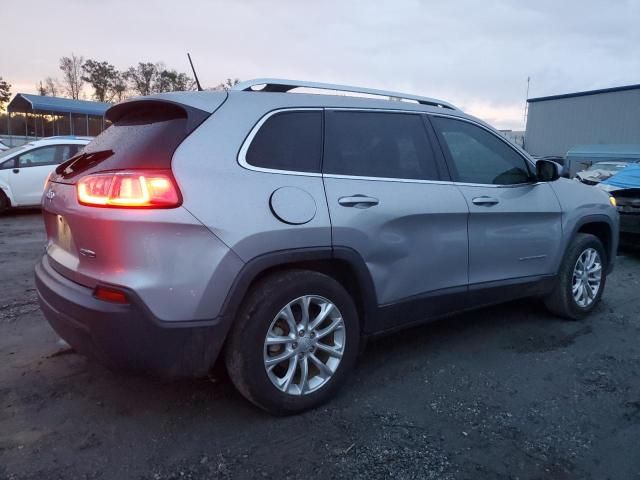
(145, 109)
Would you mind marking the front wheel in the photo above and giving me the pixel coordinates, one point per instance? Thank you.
(581, 279)
(4, 203)
(294, 342)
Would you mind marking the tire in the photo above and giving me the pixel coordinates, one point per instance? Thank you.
(263, 312)
(562, 301)
(4, 203)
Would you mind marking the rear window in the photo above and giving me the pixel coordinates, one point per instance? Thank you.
(288, 141)
(377, 144)
(143, 135)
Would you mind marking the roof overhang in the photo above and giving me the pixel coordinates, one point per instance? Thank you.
(27, 103)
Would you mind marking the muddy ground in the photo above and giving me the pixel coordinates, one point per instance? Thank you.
(505, 392)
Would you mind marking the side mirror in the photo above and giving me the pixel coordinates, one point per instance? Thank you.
(547, 171)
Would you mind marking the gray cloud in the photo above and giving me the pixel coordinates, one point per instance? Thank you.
(475, 54)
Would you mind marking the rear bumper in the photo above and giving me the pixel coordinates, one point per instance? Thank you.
(126, 337)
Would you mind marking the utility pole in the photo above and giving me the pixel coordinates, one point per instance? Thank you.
(526, 104)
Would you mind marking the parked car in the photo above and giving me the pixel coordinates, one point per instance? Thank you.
(24, 169)
(3, 147)
(625, 188)
(600, 171)
(289, 227)
(581, 157)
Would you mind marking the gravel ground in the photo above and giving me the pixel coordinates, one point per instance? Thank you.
(504, 392)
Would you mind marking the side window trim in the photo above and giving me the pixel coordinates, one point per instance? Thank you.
(441, 166)
(441, 161)
(242, 154)
(451, 165)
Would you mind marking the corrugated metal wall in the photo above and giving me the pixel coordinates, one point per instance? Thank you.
(556, 125)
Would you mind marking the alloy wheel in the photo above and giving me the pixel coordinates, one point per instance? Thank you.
(587, 277)
(304, 345)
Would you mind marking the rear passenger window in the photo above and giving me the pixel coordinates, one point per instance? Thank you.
(377, 144)
(288, 141)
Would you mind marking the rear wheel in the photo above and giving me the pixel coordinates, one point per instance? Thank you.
(581, 279)
(294, 342)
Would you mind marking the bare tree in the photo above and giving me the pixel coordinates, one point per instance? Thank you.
(52, 86)
(42, 90)
(72, 75)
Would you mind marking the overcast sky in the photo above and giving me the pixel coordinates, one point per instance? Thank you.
(475, 54)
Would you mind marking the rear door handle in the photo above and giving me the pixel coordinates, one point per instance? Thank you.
(358, 201)
(485, 201)
(16, 170)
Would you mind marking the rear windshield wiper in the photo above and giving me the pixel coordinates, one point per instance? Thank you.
(81, 162)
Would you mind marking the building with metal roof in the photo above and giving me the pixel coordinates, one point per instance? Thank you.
(36, 116)
(557, 123)
(27, 103)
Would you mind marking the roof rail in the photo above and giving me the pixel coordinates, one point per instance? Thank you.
(281, 85)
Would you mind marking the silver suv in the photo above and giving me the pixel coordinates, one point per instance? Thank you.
(282, 229)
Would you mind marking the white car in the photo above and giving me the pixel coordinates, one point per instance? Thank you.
(24, 169)
(3, 147)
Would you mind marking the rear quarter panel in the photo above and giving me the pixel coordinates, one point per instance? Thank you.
(234, 202)
(165, 255)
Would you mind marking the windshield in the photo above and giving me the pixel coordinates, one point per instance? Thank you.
(11, 151)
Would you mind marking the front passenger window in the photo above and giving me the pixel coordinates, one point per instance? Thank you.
(477, 156)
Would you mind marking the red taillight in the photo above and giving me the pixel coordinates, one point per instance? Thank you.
(110, 295)
(129, 189)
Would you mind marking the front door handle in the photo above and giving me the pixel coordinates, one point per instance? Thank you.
(485, 201)
(358, 201)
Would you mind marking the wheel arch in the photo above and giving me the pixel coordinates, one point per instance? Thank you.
(5, 191)
(602, 227)
(342, 264)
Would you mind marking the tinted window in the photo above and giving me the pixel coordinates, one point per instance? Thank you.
(144, 134)
(38, 157)
(377, 144)
(288, 141)
(478, 156)
(8, 164)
